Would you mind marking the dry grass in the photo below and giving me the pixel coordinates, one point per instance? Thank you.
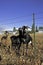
(33, 57)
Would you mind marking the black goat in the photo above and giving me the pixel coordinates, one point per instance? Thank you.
(16, 44)
(23, 37)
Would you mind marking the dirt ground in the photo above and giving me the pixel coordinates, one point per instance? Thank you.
(34, 55)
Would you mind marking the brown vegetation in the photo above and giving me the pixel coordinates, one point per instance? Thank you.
(34, 56)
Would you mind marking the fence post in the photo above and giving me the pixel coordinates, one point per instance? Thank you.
(34, 26)
(34, 34)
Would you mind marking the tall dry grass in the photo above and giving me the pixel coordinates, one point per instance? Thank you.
(30, 59)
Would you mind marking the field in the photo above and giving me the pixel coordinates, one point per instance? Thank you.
(34, 55)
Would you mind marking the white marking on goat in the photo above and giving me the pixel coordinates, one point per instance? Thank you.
(30, 42)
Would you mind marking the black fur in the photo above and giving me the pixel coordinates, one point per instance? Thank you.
(23, 37)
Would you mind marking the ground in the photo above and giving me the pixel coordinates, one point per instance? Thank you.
(34, 55)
